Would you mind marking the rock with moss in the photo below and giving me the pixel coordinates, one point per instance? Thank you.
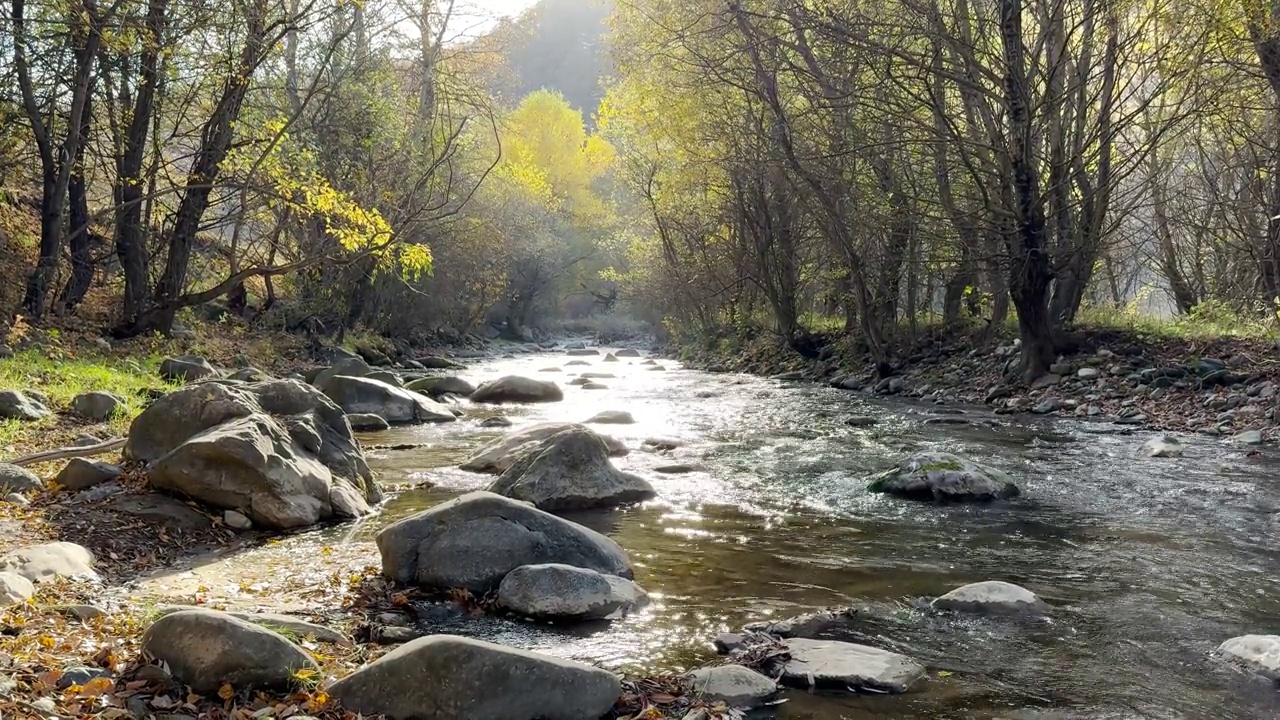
(943, 477)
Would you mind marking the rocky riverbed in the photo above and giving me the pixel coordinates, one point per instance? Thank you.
(983, 564)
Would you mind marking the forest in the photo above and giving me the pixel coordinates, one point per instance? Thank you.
(864, 169)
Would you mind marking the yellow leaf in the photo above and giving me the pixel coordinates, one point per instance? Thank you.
(944, 673)
(97, 686)
(46, 641)
(226, 692)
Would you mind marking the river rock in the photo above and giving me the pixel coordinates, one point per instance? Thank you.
(386, 376)
(296, 627)
(582, 352)
(50, 562)
(943, 477)
(347, 367)
(236, 520)
(186, 368)
(434, 362)
(813, 625)
(495, 422)
(395, 405)
(18, 479)
(1045, 406)
(1248, 437)
(991, 597)
(459, 678)
(205, 648)
(594, 386)
(1047, 380)
(860, 421)
(473, 541)
(580, 381)
(1165, 446)
(437, 386)
(517, 389)
(598, 376)
(833, 664)
(96, 406)
(1088, 373)
(570, 471)
(250, 375)
(612, 417)
(554, 590)
(367, 422)
(734, 685)
(676, 469)
(576, 362)
(15, 588)
(498, 456)
(18, 405)
(1260, 653)
(81, 473)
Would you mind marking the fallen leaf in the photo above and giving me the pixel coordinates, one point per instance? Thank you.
(226, 692)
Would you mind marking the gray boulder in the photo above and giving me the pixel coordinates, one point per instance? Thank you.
(495, 422)
(570, 471)
(387, 377)
(943, 477)
(49, 562)
(612, 417)
(1260, 653)
(80, 473)
(444, 677)
(205, 649)
(991, 597)
(473, 541)
(1165, 446)
(842, 665)
(554, 590)
(734, 685)
(396, 405)
(517, 389)
(18, 479)
(96, 406)
(250, 375)
(628, 353)
(582, 352)
(186, 368)
(367, 422)
(296, 627)
(1248, 437)
(14, 588)
(498, 456)
(348, 367)
(18, 405)
(437, 386)
(432, 362)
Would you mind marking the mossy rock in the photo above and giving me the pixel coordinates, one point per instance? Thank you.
(943, 477)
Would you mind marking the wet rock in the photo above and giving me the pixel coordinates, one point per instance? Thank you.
(860, 421)
(236, 520)
(432, 362)
(550, 370)
(726, 643)
(943, 477)
(19, 405)
(395, 635)
(80, 676)
(580, 381)
(395, 405)
(386, 376)
(49, 562)
(1045, 406)
(658, 368)
(1046, 381)
(81, 473)
(186, 368)
(496, 422)
(517, 389)
(437, 386)
(368, 422)
(733, 685)
(675, 469)
(18, 479)
(205, 649)
(15, 588)
(96, 406)
(1136, 418)
(555, 590)
(346, 367)
(570, 471)
(464, 679)
(612, 417)
(610, 357)
(473, 541)
(628, 353)
(1248, 437)
(661, 444)
(498, 456)
(293, 626)
(598, 376)
(991, 597)
(809, 625)
(832, 664)
(1260, 653)
(594, 386)
(573, 363)
(582, 352)
(1165, 446)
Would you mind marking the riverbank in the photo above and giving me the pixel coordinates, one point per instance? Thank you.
(1224, 386)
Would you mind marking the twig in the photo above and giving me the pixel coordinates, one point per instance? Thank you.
(69, 452)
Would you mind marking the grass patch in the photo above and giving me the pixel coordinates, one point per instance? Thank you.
(1207, 321)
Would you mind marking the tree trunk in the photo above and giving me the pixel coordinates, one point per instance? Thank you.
(80, 236)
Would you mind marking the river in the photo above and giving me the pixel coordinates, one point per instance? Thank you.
(1148, 564)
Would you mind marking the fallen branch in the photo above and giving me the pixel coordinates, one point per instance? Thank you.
(69, 452)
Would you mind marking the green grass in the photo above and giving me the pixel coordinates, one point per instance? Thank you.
(61, 380)
(1206, 321)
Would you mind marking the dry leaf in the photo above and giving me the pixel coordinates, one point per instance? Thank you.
(226, 692)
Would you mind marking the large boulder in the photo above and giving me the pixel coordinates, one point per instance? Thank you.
(437, 386)
(397, 405)
(50, 562)
(498, 456)
(295, 627)
(612, 417)
(628, 353)
(17, 405)
(1165, 446)
(347, 367)
(734, 685)
(96, 406)
(555, 590)
(367, 422)
(18, 479)
(833, 664)
(1260, 653)
(205, 649)
(434, 362)
(445, 677)
(517, 389)
(186, 368)
(944, 477)
(991, 597)
(570, 471)
(473, 541)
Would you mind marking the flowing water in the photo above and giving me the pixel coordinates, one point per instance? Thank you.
(1147, 564)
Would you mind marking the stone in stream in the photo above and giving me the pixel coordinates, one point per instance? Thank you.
(387, 377)
(558, 591)
(1165, 446)
(18, 479)
(432, 362)
(576, 362)
(205, 648)
(1260, 653)
(814, 625)
(594, 386)
(186, 368)
(437, 386)
(495, 422)
(445, 677)
(496, 457)
(19, 405)
(943, 477)
(347, 367)
(49, 562)
(991, 597)
(610, 357)
(734, 685)
(517, 389)
(473, 541)
(570, 471)
(579, 381)
(367, 422)
(96, 406)
(612, 417)
(628, 353)
(82, 473)
(598, 376)
(582, 352)
(395, 404)
(675, 469)
(833, 664)
(550, 370)
(860, 421)
(1248, 437)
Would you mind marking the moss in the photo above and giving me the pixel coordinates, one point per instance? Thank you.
(942, 465)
